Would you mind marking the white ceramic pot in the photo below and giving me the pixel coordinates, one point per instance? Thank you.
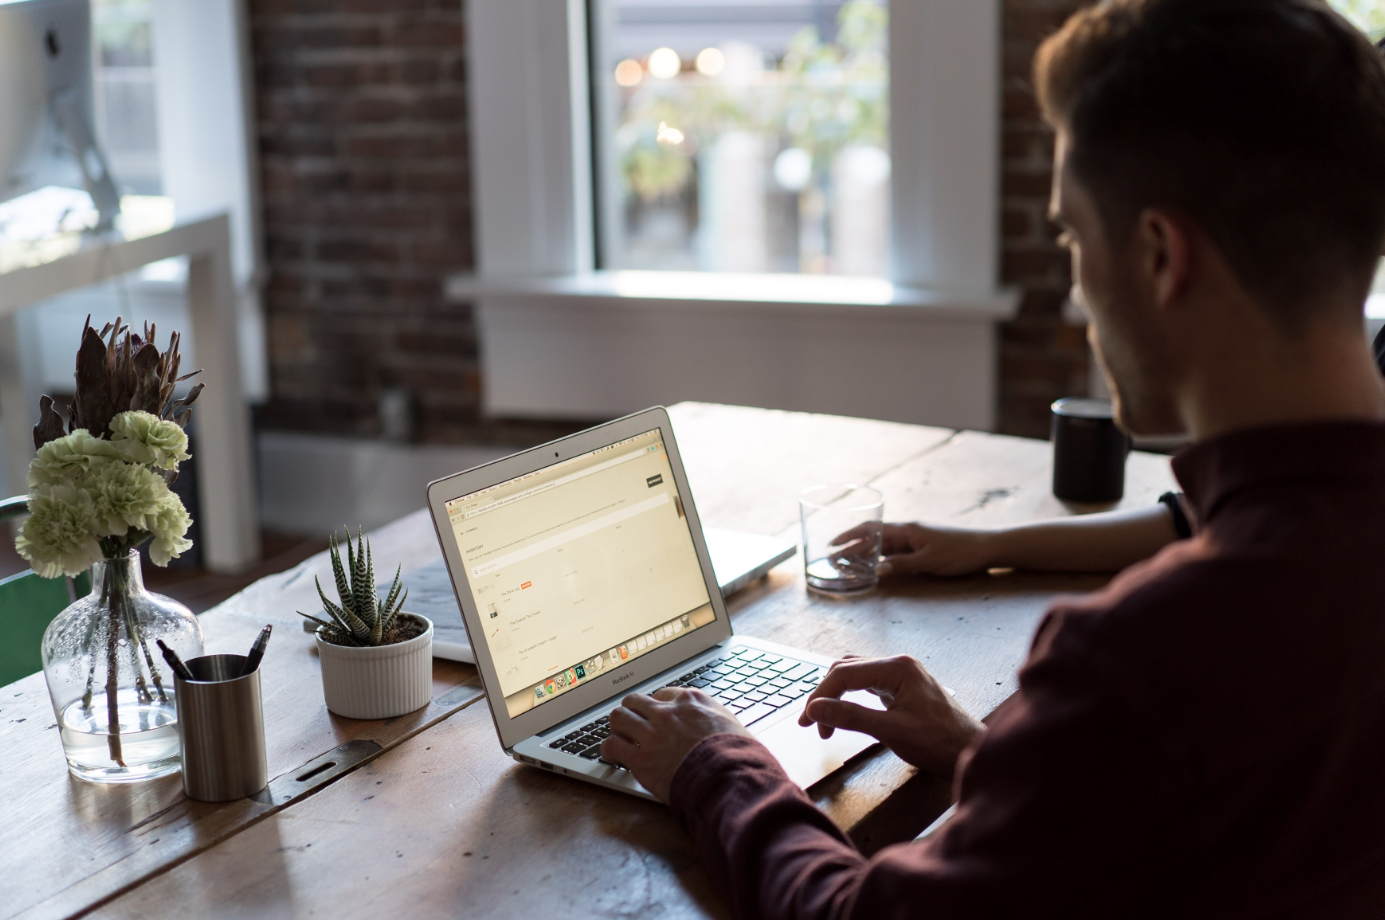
(380, 682)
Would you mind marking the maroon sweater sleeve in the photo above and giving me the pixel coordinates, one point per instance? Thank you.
(1045, 821)
(764, 842)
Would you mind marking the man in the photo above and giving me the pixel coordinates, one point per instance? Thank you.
(1206, 736)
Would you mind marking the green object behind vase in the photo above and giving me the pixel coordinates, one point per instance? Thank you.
(27, 605)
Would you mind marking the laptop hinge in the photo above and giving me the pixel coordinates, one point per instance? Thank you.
(591, 709)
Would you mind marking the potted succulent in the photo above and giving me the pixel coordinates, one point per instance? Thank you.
(377, 660)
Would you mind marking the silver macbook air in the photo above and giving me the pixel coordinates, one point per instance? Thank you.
(583, 575)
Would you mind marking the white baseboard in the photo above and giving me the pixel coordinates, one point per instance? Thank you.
(313, 484)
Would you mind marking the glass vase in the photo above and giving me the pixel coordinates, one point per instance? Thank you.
(111, 688)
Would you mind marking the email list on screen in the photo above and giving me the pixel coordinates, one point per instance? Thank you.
(579, 566)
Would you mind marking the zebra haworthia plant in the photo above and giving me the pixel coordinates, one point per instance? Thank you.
(361, 619)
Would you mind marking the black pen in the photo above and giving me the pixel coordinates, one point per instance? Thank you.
(252, 661)
(175, 662)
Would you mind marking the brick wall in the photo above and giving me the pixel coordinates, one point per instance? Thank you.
(1042, 358)
(362, 131)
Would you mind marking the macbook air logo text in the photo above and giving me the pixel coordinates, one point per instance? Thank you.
(626, 676)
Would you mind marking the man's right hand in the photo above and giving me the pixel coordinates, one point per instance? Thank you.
(921, 722)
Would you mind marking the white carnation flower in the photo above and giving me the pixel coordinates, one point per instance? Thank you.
(64, 459)
(169, 527)
(125, 495)
(59, 536)
(146, 438)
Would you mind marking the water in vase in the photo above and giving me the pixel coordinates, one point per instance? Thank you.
(148, 737)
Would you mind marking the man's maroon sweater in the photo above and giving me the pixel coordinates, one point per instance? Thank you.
(1204, 737)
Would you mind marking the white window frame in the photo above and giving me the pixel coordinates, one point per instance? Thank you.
(560, 339)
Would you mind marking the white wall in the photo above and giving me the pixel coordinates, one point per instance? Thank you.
(312, 484)
(567, 360)
(207, 145)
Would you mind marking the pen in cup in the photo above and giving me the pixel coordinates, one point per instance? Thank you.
(252, 661)
(174, 661)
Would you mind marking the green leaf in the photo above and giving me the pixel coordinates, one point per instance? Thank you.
(317, 620)
(392, 616)
(343, 589)
(376, 621)
(348, 620)
(337, 637)
(394, 590)
(351, 569)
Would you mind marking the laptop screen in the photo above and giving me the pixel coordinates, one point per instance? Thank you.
(580, 566)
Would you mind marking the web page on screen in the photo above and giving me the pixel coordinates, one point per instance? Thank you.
(579, 567)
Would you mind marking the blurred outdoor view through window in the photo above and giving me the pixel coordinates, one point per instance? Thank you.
(743, 137)
(124, 98)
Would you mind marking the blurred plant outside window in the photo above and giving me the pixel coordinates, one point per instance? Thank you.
(124, 96)
(743, 138)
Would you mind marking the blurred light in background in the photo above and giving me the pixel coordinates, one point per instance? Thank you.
(629, 72)
(793, 169)
(710, 62)
(671, 137)
(665, 63)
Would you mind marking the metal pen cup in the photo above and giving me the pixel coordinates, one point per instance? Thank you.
(221, 727)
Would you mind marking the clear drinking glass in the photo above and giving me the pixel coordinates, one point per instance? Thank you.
(111, 688)
(842, 527)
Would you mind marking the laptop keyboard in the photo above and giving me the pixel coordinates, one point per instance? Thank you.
(751, 683)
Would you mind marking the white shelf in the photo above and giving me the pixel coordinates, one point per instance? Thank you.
(711, 290)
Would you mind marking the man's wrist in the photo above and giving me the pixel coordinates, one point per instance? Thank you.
(702, 769)
(994, 548)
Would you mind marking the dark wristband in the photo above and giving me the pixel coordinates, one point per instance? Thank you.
(1174, 502)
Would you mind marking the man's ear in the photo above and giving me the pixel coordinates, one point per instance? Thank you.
(1163, 255)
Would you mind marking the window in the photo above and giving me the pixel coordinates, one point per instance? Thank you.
(743, 138)
(570, 330)
(124, 99)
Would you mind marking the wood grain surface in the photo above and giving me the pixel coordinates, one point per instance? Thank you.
(445, 823)
(85, 843)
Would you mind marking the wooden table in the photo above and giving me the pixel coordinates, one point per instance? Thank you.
(425, 813)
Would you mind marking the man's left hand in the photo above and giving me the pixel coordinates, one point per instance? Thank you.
(652, 734)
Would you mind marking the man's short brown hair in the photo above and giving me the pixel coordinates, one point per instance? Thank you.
(1263, 121)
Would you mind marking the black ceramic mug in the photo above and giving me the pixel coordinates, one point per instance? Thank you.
(1089, 452)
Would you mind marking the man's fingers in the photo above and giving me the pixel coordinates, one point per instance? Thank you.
(831, 714)
(901, 564)
(619, 750)
(667, 694)
(628, 723)
(640, 704)
(859, 532)
(862, 674)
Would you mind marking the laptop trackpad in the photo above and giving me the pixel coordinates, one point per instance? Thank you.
(806, 757)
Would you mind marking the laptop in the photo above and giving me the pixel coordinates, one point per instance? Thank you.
(583, 575)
